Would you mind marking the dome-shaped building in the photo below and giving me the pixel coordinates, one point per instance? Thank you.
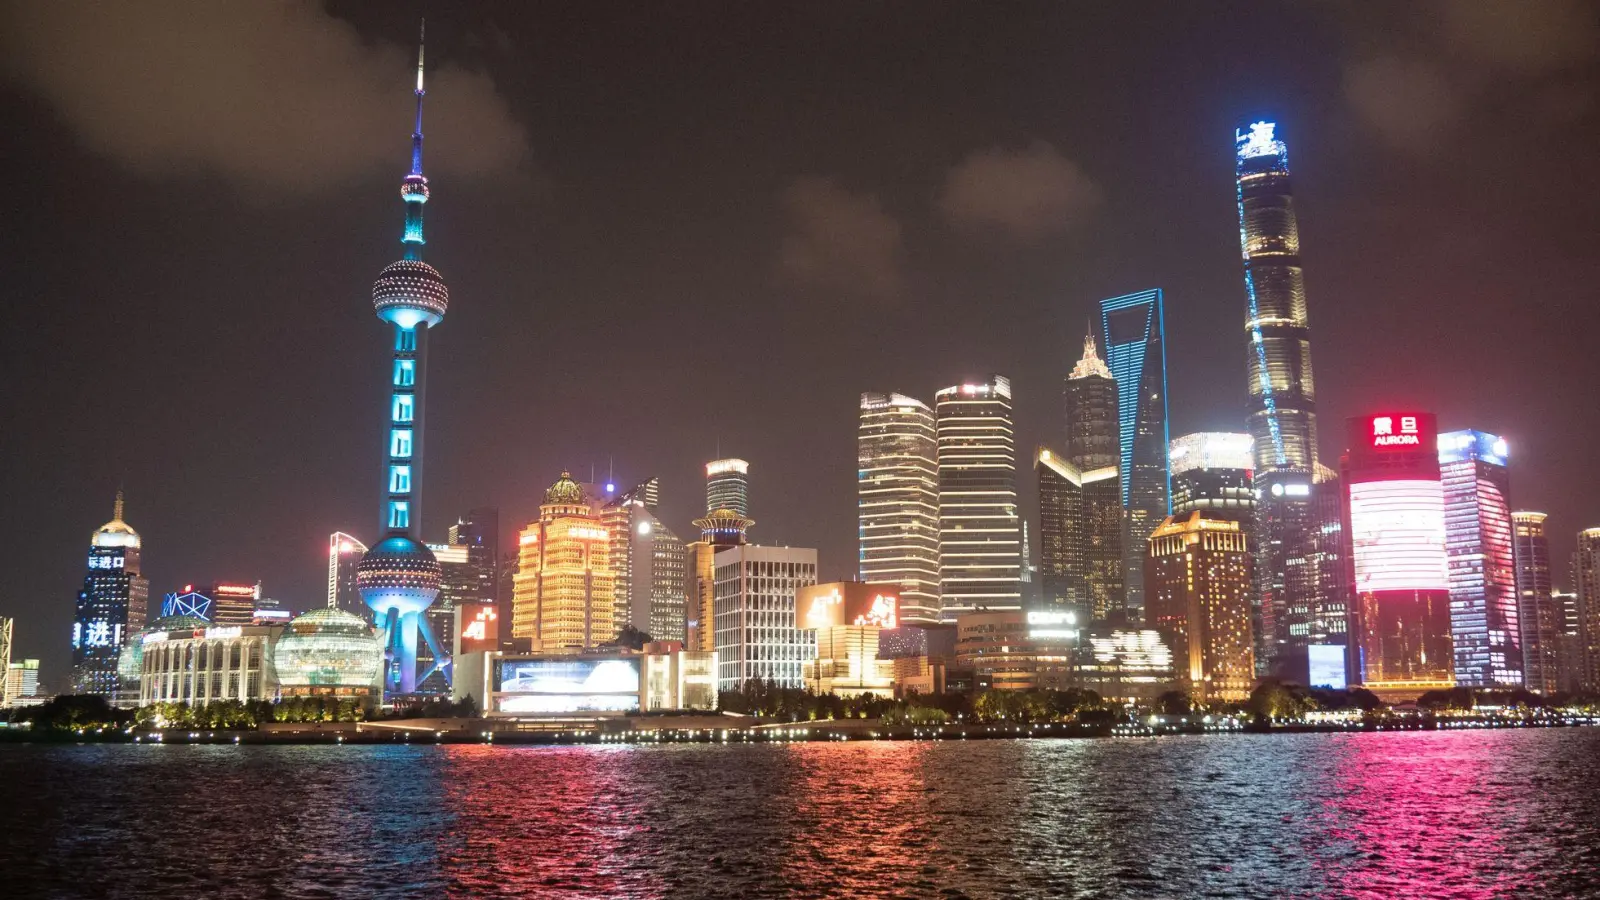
(328, 651)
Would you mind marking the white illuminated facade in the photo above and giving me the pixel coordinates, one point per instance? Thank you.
(754, 619)
(728, 486)
(1397, 532)
(897, 497)
(980, 533)
(198, 665)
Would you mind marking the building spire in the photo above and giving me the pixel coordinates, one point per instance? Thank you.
(116, 510)
(414, 187)
(1091, 363)
(416, 135)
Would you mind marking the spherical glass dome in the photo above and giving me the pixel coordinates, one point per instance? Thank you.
(565, 492)
(130, 662)
(399, 574)
(328, 648)
(408, 292)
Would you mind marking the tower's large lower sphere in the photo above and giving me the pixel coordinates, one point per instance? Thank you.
(398, 574)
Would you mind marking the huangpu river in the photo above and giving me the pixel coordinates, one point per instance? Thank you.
(1506, 813)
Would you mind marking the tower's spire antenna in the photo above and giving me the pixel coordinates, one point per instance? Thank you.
(116, 511)
(416, 135)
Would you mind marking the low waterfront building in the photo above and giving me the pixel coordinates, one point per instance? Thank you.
(329, 652)
(1016, 650)
(664, 677)
(848, 617)
(187, 660)
(1124, 665)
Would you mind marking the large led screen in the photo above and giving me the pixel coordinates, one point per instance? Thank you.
(567, 685)
(1397, 531)
(1326, 664)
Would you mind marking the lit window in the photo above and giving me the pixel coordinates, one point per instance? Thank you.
(399, 479)
(400, 443)
(405, 372)
(405, 340)
(403, 407)
(399, 514)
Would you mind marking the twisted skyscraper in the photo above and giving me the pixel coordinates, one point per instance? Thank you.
(1296, 576)
(399, 577)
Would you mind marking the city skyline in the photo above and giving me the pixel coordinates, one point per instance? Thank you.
(275, 520)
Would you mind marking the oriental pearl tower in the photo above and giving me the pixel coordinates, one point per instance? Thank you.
(399, 576)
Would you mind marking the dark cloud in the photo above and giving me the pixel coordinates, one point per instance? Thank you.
(1028, 194)
(840, 241)
(278, 98)
(1423, 67)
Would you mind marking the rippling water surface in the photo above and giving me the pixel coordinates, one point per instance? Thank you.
(1429, 814)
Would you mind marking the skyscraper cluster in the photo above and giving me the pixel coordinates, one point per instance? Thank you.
(1210, 559)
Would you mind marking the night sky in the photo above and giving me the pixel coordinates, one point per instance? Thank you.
(677, 231)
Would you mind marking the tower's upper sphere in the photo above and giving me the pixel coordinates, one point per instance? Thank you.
(414, 189)
(409, 292)
(399, 574)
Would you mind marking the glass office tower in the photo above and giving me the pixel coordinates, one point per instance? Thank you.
(980, 541)
(897, 499)
(1136, 354)
(1484, 617)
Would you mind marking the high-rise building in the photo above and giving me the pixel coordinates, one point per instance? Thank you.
(1537, 617)
(233, 603)
(1291, 599)
(1569, 642)
(1090, 401)
(1062, 527)
(1586, 581)
(565, 590)
(728, 486)
(1213, 471)
(1135, 329)
(1484, 619)
(649, 564)
(112, 608)
(399, 577)
(980, 560)
(22, 681)
(897, 497)
(458, 586)
(7, 632)
(344, 555)
(1394, 510)
(1197, 578)
(479, 532)
(754, 621)
(720, 529)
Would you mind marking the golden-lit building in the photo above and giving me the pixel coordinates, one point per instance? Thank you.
(564, 594)
(848, 617)
(719, 530)
(1197, 590)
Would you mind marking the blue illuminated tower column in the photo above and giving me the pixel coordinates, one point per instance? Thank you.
(399, 576)
(1136, 353)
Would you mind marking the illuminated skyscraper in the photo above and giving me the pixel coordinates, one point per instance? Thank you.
(897, 496)
(1538, 619)
(649, 564)
(1090, 401)
(112, 607)
(1484, 618)
(7, 632)
(1586, 580)
(1198, 579)
(728, 485)
(565, 590)
(1213, 471)
(1062, 526)
(1136, 354)
(980, 560)
(1292, 594)
(755, 596)
(344, 555)
(1394, 506)
(399, 577)
(720, 529)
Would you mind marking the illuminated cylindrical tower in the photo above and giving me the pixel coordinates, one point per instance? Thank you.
(728, 486)
(399, 576)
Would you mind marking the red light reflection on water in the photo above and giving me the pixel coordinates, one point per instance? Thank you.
(1413, 814)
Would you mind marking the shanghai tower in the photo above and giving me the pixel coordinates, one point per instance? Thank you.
(399, 576)
(1296, 604)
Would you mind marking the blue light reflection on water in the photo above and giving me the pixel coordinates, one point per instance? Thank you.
(1438, 814)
